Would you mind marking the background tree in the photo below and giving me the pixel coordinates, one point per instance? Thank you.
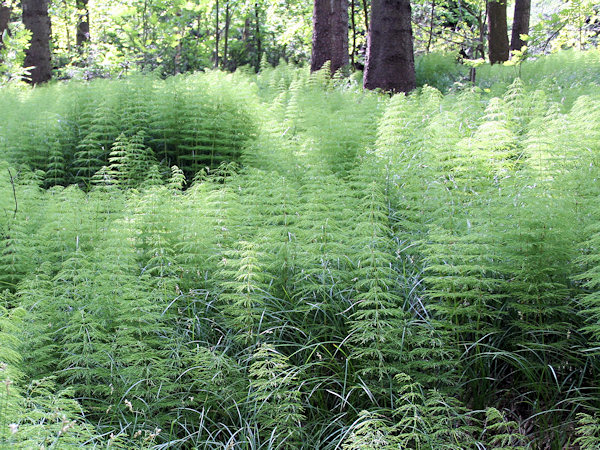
(330, 34)
(390, 60)
(83, 22)
(258, 35)
(497, 31)
(226, 37)
(36, 20)
(5, 11)
(176, 37)
(520, 23)
(217, 34)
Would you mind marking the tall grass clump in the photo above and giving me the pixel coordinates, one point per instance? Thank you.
(69, 131)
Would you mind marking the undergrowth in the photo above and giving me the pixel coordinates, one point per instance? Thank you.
(283, 261)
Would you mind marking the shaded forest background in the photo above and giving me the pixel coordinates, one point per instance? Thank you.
(91, 38)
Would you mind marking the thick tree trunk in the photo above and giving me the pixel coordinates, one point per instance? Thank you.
(390, 60)
(36, 20)
(321, 37)
(330, 34)
(497, 31)
(5, 12)
(339, 42)
(83, 22)
(4, 19)
(520, 23)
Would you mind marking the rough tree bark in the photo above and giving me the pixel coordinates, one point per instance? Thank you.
(36, 20)
(520, 23)
(497, 31)
(5, 12)
(330, 34)
(390, 60)
(83, 22)
(4, 19)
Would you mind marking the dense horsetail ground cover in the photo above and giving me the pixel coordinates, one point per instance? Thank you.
(284, 261)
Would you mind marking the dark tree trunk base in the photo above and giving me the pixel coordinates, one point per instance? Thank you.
(390, 62)
(498, 31)
(36, 19)
(520, 23)
(330, 34)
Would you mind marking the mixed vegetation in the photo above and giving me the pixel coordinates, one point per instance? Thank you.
(282, 260)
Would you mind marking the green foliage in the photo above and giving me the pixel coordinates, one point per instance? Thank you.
(588, 431)
(274, 394)
(69, 132)
(13, 43)
(437, 69)
(502, 433)
(280, 261)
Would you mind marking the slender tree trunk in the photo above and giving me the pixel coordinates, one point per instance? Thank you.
(481, 45)
(36, 20)
(217, 37)
(145, 34)
(497, 31)
(83, 22)
(353, 20)
(177, 59)
(330, 34)
(390, 60)
(66, 18)
(247, 39)
(520, 23)
(431, 24)
(257, 37)
(366, 13)
(226, 43)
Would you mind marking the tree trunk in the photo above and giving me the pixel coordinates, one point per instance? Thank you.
(248, 40)
(390, 60)
(4, 20)
(321, 37)
(258, 37)
(83, 22)
(330, 34)
(226, 43)
(431, 25)
(36, 20)
(481, 26)
(353, 22)
(366, 13)
(520, 23)
(217, 37)
(5, 12)
(497, 31)
(339, 43)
